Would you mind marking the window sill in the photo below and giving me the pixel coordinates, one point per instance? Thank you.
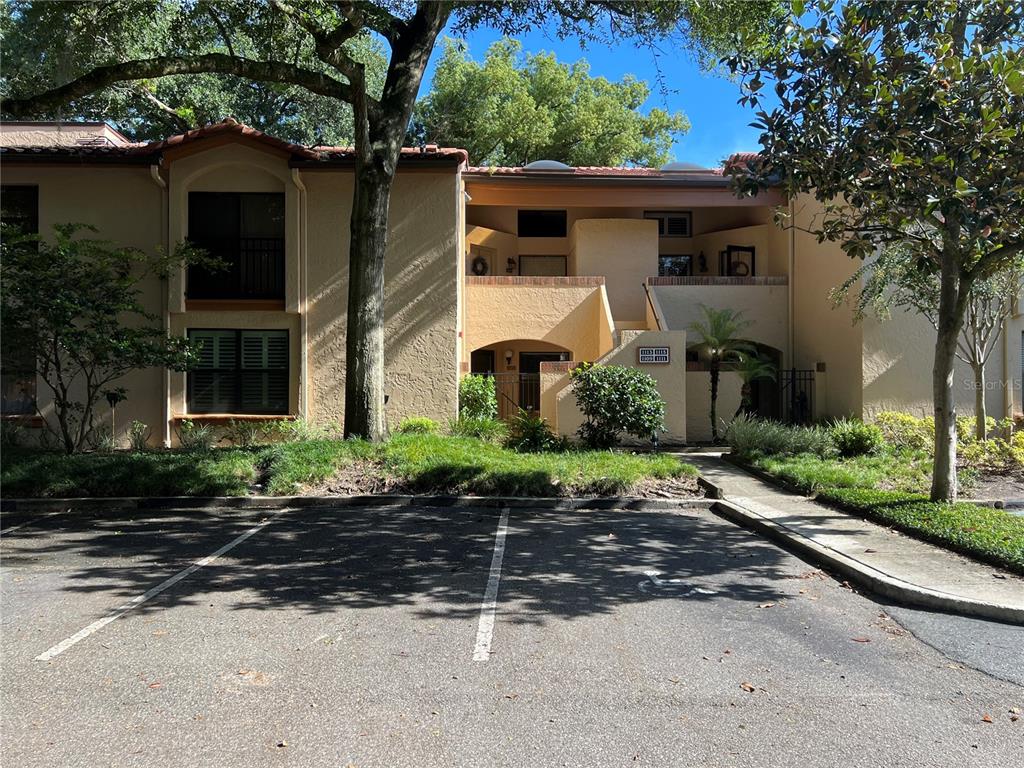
(234, 305)
(23, 419)
(220, 417)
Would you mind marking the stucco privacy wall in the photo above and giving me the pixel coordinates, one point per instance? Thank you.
(558, 404)
(124, 204)
(421, 294)
(624, 251)
(556, 310)
(898, 357)
(765, 306)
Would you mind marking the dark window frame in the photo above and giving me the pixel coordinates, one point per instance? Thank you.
(267, 256)
(565, 263)
(239, 372)
(662, 218)
(542, 222)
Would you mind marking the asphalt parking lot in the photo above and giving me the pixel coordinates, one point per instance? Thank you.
(473, 637)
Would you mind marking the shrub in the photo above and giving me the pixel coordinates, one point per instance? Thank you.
(246, 434)
(417, 425)
(12, 434)
(196, 437)
(138, 436)
(616, 399)
(530, 433)
(853, 437)
(749, 436)
(492, 430)
(477, 398)
(905, 432)
(300, 430)
(966, 425)
(995, 455)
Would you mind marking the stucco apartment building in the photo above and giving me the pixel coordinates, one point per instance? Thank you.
(516, 272)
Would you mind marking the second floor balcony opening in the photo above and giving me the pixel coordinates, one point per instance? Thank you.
(244, 230)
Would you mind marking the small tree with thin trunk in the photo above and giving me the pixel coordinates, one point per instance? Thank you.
(719, 342)
(752, 367)
(76, 303)
(905, 121)
(319, 57)
(895, 279)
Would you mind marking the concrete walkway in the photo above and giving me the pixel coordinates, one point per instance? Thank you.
(874, 550)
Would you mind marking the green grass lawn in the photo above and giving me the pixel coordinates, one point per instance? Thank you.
(422, 463)
(891, 488)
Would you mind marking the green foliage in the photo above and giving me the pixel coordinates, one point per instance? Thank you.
(77, 302)
(749, 436)
(293, 466)
(530, 433)
(12, 434)
(47, 44)
(226, 472)
(195, 437)
(901, 431)
(490, 430)
(138, 436)
(245, 434)
(512, 108)
(996, 454)
(852, 437)
(477, 397)
(417, 425)
(719, 340)
(301, 430)
(616, 399)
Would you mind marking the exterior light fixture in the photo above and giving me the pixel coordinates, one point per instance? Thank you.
(508, 356)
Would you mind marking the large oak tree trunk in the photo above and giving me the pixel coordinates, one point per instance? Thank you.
(364, 347)
(952, 305)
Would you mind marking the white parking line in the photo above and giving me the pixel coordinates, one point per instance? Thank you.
(485, 630)
(33, 520)
(135, 602)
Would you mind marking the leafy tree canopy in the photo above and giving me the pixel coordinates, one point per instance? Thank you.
(47, 44)
(513, 108)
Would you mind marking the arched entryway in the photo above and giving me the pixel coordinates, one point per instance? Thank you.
(515, 366)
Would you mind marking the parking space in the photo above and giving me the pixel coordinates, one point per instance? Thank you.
(353, 636)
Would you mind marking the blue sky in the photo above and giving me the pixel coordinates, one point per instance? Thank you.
(719, 126)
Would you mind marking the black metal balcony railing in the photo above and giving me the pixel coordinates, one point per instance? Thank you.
(255, 270)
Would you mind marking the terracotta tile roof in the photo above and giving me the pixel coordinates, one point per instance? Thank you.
(592, 170)
(150, 151)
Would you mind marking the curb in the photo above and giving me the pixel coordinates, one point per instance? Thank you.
(206, 503)
(863, 575)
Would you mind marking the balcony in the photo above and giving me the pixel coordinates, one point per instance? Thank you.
(570, 313)
(675, 303)
(255, 269)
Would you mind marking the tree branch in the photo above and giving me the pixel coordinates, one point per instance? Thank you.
(163, 66)
(179, 122)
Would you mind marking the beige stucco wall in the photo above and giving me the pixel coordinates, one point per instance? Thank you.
(421, 294)
(572, 317)
(698, 403)
(623, 251)
(124, 204)
(821, 332)
(504, 244)
(765, 306)
(558, 404)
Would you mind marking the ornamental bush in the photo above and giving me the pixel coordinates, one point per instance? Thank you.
(477, 398)
(749, 436)
(852, 437)
(417, 425)
(530, 433)
(905, 432)
(615, 399)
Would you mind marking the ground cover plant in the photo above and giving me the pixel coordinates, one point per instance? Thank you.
(887, 480)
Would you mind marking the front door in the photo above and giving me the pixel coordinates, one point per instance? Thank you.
(529, 376)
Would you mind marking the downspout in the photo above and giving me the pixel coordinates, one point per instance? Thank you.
(303, 295)
(1007, 377)
(165, 313)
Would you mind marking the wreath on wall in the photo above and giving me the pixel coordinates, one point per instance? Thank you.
(480, 266)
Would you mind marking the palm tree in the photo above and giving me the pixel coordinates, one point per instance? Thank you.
(752, 367)
(719, 342)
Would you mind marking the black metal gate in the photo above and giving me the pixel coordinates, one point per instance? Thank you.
(515, 391)
(797, 391)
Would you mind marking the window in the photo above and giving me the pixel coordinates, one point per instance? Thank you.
(675, 266)
(19, 211)
(672, 223)
(245, 231)
(542, 224)
(239, 372)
